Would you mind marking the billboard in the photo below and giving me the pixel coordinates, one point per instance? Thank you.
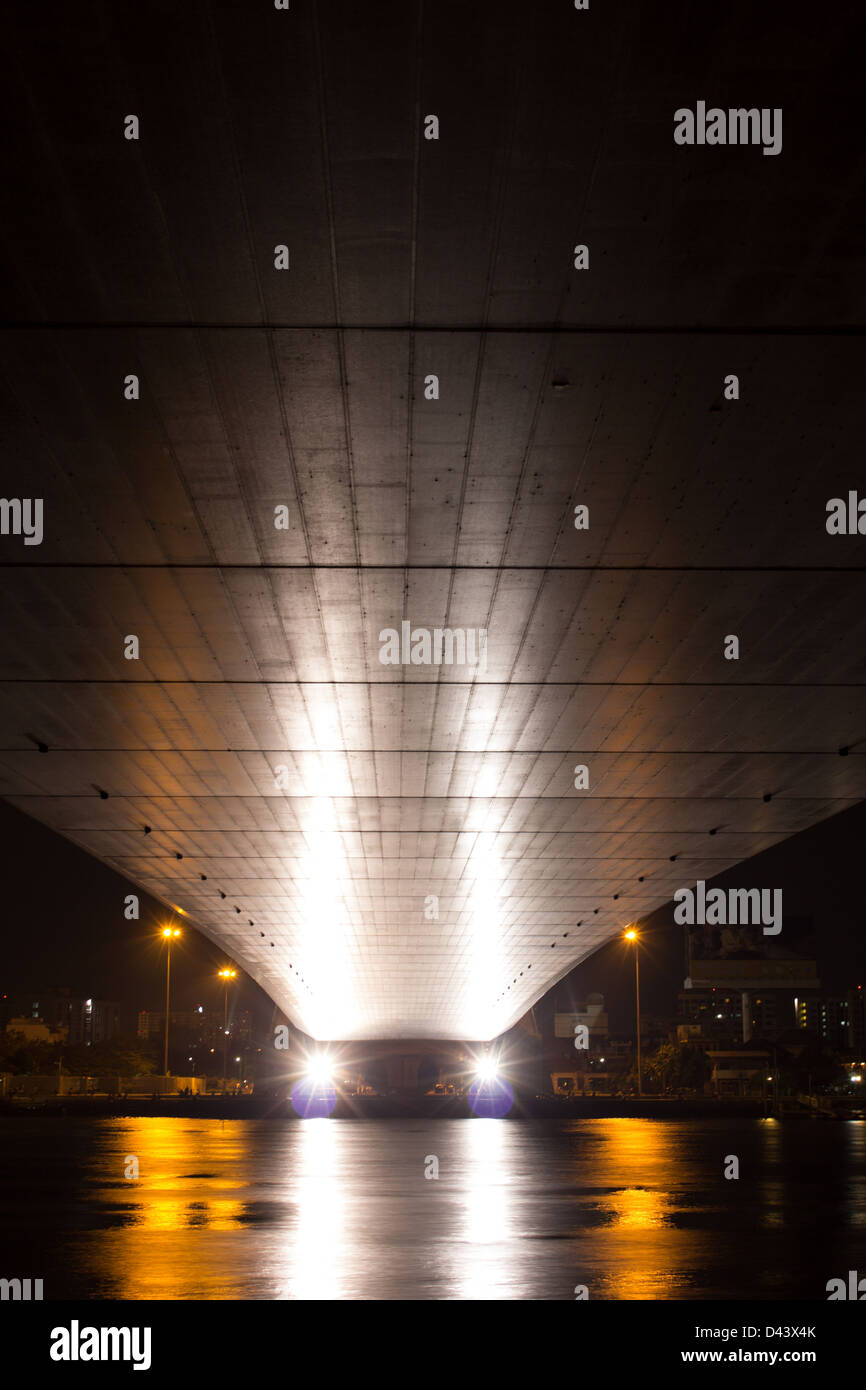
(740, 957)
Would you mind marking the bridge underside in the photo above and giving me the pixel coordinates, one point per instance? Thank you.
(401, 850)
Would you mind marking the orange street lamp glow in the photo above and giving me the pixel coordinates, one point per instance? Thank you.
(225, 975)
(170, 934)
(631, 935)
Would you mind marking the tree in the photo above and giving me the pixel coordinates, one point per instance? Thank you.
(677, 1066)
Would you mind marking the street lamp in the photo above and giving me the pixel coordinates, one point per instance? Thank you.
(169, 934)
(631, 935)
(226, 975)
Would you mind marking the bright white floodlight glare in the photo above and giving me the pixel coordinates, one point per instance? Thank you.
(320, 1071)
(487, 1069)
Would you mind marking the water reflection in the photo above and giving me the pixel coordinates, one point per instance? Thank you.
(314, 1256)
(342, 1209)
(189, 1180)
(638, 1158)
(855, 1171)
(486, 1226)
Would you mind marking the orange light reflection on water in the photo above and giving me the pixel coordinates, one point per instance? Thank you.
(636, 1207)
(185, 1182)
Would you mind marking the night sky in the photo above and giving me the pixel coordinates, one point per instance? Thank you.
(819, 872)
(65, 926)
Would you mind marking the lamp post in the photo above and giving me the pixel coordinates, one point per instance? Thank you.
(631, 935)
(170, 934)
(226, 975)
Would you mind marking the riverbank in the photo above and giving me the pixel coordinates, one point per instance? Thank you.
(381, 1107)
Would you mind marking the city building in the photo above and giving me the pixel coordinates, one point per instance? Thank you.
(35, 1029)
(197, 1025)
(825, 1017)
(75, 1019)
(856, 999)
(741, 1071)
(591, 1015)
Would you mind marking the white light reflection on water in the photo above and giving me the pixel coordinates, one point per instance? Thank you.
(340, 1209)
(315, 1257)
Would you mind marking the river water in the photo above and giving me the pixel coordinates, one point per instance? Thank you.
(342, 1209)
